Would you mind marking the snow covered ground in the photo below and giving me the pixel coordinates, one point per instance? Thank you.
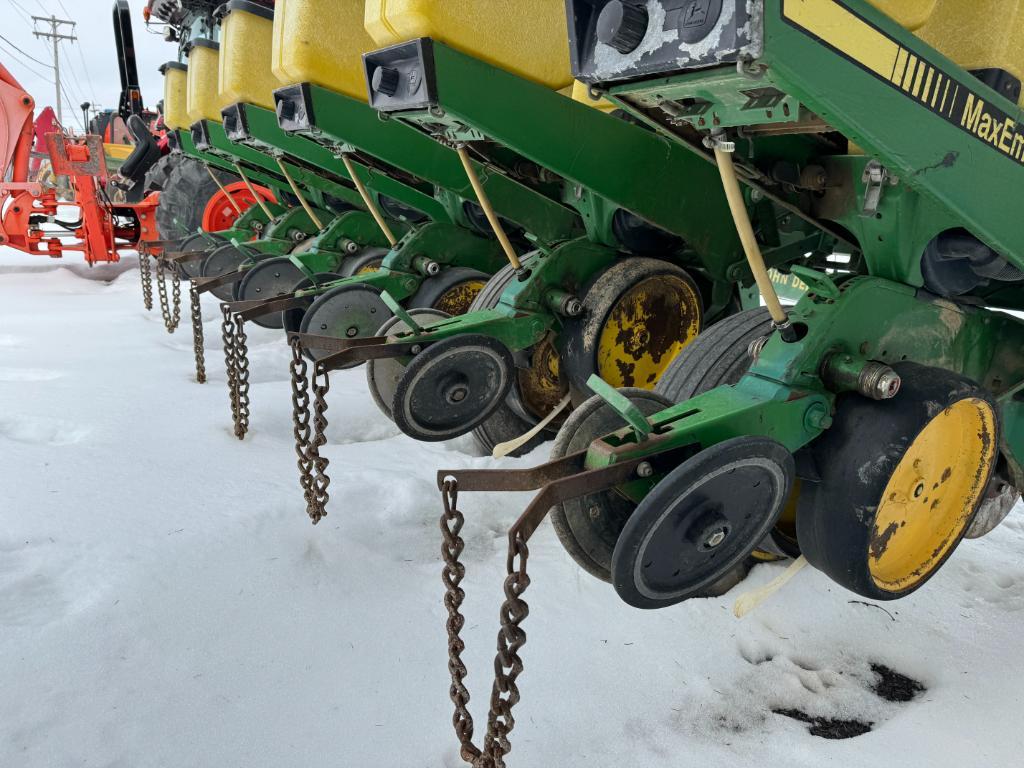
(164, 602)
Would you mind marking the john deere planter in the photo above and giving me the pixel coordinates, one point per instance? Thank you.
(872, 426)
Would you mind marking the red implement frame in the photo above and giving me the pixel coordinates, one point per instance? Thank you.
(103, 228)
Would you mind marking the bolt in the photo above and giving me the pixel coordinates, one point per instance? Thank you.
(715, 539)
(573, 307)
(416, 349)
(645, 469)
(352, 332)
(433, 268)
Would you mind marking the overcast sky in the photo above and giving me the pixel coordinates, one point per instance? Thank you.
(89, 69)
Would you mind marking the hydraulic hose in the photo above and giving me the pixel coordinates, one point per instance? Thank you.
(368, 201)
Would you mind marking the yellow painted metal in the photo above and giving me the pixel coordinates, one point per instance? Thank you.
(246, 76)
(457, 299)
(640, 338)
(976, 34)
(526, 37)
(204, 102)
(321, 42)
(932, 494)
(175, 97)
(541, 387)
(581, 93)
(909, 13)
(979, 34)
(118, 151)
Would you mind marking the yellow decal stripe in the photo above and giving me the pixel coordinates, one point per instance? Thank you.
(847, 33)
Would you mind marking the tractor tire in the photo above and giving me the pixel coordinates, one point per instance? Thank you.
(187, 190)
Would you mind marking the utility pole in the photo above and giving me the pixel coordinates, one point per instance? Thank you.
(55, 35)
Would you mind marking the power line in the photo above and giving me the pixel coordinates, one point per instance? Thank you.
(26, 53)
(21, 9)
(26, 66)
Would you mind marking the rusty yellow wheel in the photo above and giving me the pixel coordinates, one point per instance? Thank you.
(638, 316)
(540, 387)
(452, 291)
(901, 481)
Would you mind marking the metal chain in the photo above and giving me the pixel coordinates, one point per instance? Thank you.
(227, 335)
(146, 274)
(171, 318)
(301, 429)
(198, 341)
(321, 386)
(511, 638)
(241, 379)
(310, 427)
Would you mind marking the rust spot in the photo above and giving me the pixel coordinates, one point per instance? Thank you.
(948, 473)
(880, 542)
(626, 372)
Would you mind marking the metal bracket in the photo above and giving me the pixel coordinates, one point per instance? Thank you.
(623, 406)
(399, 311)
(818, 282)
(876, 178)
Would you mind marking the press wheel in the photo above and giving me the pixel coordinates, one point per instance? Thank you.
(382, 376)
(291, 319)
(901, 482)
(223, 260)
(191, 269)
(638, 315)
(702, 521)
(451, 387)
(345, 312)
(717, 357)
(589, 526)
(267, 280)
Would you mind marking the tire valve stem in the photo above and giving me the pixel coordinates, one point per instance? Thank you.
(724, 151)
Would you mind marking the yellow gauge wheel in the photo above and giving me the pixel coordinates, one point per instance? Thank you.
(638, 316)
(456, 300)
(932, 495)
(901, 481)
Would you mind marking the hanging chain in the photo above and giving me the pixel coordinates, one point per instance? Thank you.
(146, 273)
(511, 638)
(198, 341)
(310, 426)
(241, 379)
(301, 430)
(171, 318)
(227, 335)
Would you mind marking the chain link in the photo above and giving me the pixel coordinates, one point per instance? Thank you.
(172, 318)
(310, 430)
(301, 427)
(146, 274)
(198, 340)
(242, 379)
(508, 665)
(227, 335)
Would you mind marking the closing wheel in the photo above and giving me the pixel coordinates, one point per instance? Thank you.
(702, 521)
(366, 260)
(452, 291)
(638, 315)
(382, 376)
(222, 260)
(536, 389)
(268, 280)
(720, 356)
(589, 526)
(901, 481)
(345, 312)
(190, 269)
(291, 319)
(451, 387)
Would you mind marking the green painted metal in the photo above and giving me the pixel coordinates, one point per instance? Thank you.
(312, 182)
(260, 131)
(784, 397)
(345, 124)
(623, 406)
(595, 152)
(257, 175)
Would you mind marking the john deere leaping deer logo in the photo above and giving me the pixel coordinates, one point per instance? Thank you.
(696, 14)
